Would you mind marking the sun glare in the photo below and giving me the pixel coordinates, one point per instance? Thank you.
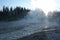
(45, 5)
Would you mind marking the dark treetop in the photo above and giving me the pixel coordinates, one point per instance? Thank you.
(13, 14)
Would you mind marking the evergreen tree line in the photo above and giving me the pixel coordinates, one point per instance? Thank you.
(12, 14)
(55, 17)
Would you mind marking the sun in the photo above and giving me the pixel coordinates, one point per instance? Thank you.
(45, 5)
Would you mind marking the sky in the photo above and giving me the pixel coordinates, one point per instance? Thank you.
(14, 3)
(32, 4)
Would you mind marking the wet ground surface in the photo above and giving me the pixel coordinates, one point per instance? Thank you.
(22, 30)
(35, 36)
(33, 32)
(53, 33)
(28, 30)
(46, 34)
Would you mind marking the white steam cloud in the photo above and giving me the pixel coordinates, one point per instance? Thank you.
(45, 5)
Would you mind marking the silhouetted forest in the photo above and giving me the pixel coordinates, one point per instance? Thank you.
(9, 14)
(54, 16)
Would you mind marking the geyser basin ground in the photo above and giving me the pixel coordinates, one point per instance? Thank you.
(47, 34)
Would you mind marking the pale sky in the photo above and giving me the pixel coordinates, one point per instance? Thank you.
(29, 4)
(14, 3)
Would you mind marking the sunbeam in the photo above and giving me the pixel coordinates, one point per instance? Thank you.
(45, 5)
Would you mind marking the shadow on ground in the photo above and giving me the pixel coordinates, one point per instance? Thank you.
(35, 36)
(46, 34)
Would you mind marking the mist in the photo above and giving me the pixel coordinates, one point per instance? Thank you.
(36, 16)
(34, 21)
